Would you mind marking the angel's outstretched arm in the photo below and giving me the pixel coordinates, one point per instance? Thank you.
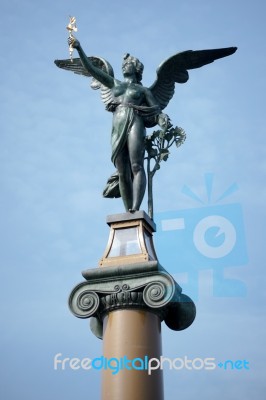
(97, 73)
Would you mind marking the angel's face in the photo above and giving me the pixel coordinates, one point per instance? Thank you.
(132, 65)
(128, 67)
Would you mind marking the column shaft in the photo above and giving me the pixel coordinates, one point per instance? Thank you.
(134, 334)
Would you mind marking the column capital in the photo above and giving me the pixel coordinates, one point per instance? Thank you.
(133, 286)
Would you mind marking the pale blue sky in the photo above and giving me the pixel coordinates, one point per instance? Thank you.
(55, 159)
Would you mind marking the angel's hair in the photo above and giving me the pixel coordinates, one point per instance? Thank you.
(138, 65)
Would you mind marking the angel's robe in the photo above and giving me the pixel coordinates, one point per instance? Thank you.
(120, 131)
(121, 126)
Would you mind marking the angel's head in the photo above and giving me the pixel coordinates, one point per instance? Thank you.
(132, 65)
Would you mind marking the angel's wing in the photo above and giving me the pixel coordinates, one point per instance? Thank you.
(76, 66)
(174, 69)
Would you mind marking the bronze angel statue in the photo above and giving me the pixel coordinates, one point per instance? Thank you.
(135, 108)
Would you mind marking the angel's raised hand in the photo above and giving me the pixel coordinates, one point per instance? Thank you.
(73, 42)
